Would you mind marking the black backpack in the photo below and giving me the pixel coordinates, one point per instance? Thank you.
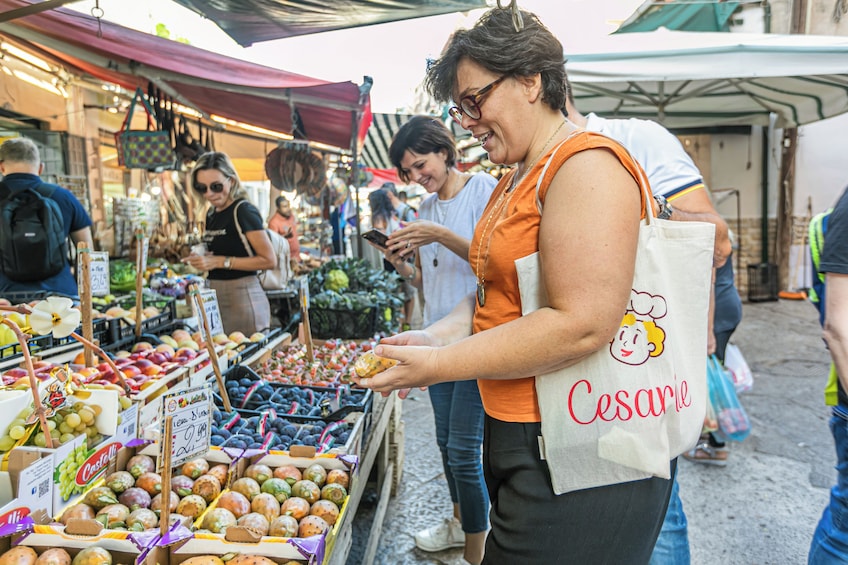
(33, 246)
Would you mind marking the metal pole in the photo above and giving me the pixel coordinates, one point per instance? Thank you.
(364, 90)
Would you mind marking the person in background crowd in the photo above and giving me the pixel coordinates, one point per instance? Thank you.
(384, 218)
(509, 87)
(21, 166)
(237, 246)
(675, 179)
(284, 223)
(403, 211)
(424, 151)
(830, 540)
(404, 197)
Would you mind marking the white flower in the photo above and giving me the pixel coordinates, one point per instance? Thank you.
(55, 315)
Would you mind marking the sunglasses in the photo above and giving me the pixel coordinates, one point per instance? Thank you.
(470, 105)
(216, 187)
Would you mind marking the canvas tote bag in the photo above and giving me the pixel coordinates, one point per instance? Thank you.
(625, 411)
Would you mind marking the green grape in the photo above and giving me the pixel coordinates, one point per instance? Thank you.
(24, 414)
(58, 417)
(65, 428)
(91, 432)
(66, 437)
(80, 429)
(18, 422)
(6, 443)
(87, 415)
(51, 425)
(73, 420)
(17, 432)
(55, 434)
(40, 439)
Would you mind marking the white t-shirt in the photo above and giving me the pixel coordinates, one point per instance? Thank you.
(452, 280)
(670, 170)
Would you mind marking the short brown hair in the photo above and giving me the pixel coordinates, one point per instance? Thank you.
(422, 134)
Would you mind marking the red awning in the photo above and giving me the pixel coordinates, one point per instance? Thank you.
(216, 84)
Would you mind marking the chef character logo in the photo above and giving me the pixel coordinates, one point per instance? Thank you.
(639, 338)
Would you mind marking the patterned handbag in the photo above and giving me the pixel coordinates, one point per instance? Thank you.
(143, 149)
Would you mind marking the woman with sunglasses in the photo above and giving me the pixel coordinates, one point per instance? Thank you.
(424, 151)
(507, 75)
(237, 245)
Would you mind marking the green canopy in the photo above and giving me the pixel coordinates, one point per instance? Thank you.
(683, 16)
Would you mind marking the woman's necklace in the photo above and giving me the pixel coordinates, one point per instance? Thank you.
(530, 163)
(442, 214)
(497, 210)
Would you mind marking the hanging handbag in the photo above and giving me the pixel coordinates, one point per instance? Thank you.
(733, 422)
(143, 149)
(613, 418)
(278, 277)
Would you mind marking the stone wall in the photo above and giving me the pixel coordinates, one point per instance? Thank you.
(748, 251)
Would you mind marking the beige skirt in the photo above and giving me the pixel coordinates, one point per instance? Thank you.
(243, 304)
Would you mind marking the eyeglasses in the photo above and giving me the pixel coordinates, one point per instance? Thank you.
(216, 187)
(470, 105)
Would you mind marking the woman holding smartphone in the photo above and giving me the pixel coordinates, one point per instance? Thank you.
(424, 151)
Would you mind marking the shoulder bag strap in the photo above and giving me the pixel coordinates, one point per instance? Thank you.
(240, 232)
(642, 180)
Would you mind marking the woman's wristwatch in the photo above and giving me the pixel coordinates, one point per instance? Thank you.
(665, 209)
(228, 263)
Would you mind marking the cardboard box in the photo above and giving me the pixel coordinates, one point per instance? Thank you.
(44, 537)
(26, 486)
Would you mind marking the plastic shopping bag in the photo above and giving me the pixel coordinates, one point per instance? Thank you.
(733, 422)
(734, 362)
(710, 419)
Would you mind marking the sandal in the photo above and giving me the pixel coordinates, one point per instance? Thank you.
(707, 454)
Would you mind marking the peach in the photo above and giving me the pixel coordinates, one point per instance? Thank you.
(141, 346)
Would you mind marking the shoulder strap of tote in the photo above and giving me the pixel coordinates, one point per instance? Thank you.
(642, 180)
(240, 232)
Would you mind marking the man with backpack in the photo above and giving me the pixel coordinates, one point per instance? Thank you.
(36, 219)
(830, 540)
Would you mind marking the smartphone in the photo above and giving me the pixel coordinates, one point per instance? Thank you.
(378, 238)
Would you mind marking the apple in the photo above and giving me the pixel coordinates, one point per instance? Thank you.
(15, 372)
(130, 371)
(186, 352)
(168, 340)
(156, 358)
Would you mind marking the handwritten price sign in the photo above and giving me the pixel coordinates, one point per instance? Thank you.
(191, 413)
(213, 312)
(99, 270)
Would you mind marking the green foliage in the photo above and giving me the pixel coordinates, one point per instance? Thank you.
(367, 296)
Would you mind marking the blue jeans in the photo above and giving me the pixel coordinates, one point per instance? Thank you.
(830, 540)
(672, 547)
(459, 433)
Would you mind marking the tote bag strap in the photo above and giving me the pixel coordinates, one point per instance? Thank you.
(240, 232)
(642, 180)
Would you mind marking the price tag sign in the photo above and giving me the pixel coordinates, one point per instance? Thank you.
(304, 293)
(144, 249)
(191, 410)
(99, 270)
(213, 312)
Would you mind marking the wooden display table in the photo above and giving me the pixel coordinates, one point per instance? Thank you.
(383, 447)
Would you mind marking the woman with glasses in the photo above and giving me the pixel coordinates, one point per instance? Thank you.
(424, 151)
(237, 246)
(581, 215)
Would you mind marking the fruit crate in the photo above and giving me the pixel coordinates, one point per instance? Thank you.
(250, 393)
(155, 324)
(327, 323)
(36, 344)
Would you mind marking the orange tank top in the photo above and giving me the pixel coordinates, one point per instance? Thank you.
(509, 230)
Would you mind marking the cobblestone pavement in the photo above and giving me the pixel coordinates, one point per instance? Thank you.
(760, 509)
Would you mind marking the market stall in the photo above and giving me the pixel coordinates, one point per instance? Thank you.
(266, 443)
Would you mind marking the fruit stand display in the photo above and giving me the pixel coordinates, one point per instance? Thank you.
(290, 460)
